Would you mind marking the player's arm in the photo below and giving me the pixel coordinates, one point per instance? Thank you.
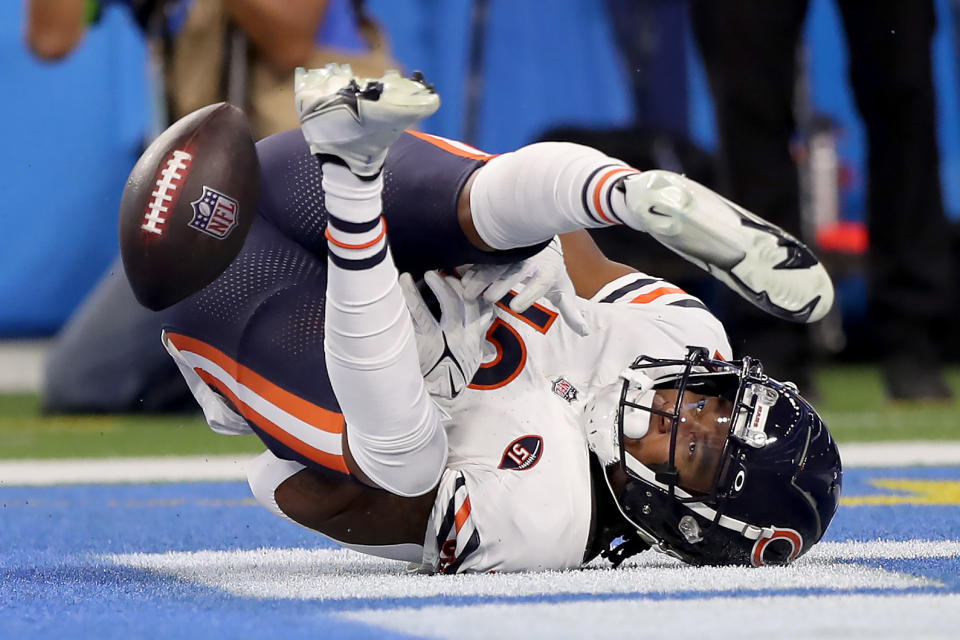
(342, 508)
(283, 31)
(588, 267)
(54, 27)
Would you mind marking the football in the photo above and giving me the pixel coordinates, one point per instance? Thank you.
(188, 204)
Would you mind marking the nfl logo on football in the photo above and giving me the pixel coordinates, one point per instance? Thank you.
(214, 213)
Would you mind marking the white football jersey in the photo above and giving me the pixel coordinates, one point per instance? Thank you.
(517, 493)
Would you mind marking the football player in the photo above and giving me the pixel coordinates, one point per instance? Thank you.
(543, 418)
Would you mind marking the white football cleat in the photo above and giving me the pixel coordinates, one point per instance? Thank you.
(760, 261)
(357, 119)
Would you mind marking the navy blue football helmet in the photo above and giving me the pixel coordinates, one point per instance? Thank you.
(777, 485)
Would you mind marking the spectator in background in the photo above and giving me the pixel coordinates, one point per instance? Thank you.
(749, 49)
(107, 357)
(239, 50)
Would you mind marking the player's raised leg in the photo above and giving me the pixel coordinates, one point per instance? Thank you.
(393, 429)
(757, 259)
(561, 187)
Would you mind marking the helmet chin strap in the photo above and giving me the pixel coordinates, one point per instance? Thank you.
(602, 412)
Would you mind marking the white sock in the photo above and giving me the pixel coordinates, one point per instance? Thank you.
(393, 428)
(544, 189)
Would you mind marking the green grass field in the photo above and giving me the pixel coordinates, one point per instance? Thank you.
(851, 400)
(25, 433)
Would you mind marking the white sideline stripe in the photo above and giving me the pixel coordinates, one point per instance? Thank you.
(849, 616)
(122, 470)
(335, 574)
(200, 468)
(901, 454)
(883, 550)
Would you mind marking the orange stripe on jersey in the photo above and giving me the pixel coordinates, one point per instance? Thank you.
(327, 459)
(597, 190)
(656, 293)
(491, 337)
(466, 151)
(462, 514)
(383, 232)
(314, 415)
(544, 325)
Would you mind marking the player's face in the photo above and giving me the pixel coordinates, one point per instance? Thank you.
(701, 435)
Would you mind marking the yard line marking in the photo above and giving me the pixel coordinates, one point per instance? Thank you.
(123, 470)
(231, 467)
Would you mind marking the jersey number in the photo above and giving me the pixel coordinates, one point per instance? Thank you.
(511, 350)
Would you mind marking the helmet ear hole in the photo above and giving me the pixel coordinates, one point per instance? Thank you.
(782, 548)
(778, 552)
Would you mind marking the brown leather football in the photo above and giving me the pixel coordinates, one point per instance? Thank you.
(188, 204)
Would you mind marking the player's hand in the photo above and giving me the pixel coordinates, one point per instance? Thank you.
(452, 349)
(543, 275)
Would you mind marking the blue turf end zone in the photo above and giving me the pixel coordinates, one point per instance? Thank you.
(55, 582)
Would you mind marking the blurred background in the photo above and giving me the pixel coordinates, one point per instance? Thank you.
(626, 76)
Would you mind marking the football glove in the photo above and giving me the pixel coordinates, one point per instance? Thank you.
(451, 349)
(543, 275)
